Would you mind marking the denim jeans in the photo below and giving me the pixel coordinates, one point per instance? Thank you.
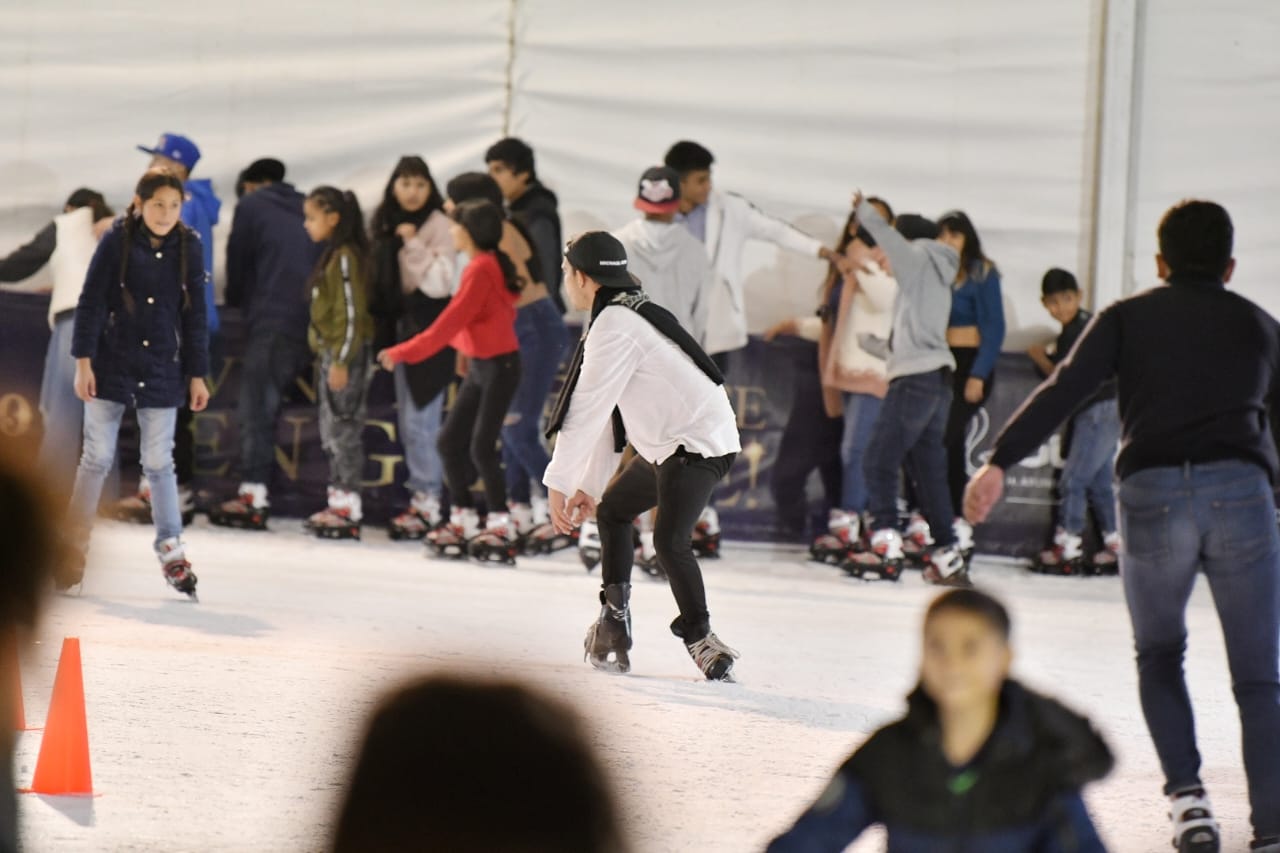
(342, 417)
(62, 411)
(270, 365)
(1090, 468)
(543, 339)
(861, 411)
(912, 422)
(419, 430)
(101, 430)
(1218, 518)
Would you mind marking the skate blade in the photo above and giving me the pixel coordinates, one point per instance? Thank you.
(235, 523)
(336, 532)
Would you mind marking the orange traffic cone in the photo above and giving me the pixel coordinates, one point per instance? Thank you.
(63, 764)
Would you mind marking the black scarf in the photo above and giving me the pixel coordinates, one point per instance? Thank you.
(662, 319)
(399, 315)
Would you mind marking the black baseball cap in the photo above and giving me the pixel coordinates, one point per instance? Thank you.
(659, 190)
(600, 256)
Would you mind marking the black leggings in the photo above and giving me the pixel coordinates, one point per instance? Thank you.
(470, 433)
(680, 488)
(962, 411)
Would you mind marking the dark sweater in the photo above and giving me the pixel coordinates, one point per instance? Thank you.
(1067, 338)
(537, 212)
(1196, 366)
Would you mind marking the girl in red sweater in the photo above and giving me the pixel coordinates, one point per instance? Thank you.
(479, 323)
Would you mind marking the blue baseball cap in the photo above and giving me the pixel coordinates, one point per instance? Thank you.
(175, 147)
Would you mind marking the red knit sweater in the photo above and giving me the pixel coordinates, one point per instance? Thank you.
(479, 322)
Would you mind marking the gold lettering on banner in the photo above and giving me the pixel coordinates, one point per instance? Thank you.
(289, 462)
(209, 440)
(216, 382)
(754, 454)
(16, 415)
(386, 461)
(750, 406)
(308, 388)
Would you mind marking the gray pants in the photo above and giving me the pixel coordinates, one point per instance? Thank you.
(342, 417)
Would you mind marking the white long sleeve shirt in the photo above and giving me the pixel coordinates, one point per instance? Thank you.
(665, 399)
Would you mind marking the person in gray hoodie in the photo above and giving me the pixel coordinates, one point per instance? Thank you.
(913, 416)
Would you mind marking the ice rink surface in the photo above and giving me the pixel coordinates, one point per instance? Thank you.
(228, 724)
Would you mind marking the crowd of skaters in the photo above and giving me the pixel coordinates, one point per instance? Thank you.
(137, 340)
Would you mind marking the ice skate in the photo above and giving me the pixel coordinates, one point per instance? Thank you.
(1265, 845)
(422, 516)
(176, 569)
(945, 566)
(450, 539)
(709, 653)
(248, 510)
(843, 537)
(545, 539)
(136, 508)
(647, 555)
(1194, 829)
(339, 520)
(1065, 557)
(963, 532)
(68, 571)
(608, 639)
(497, 542)
(917, 539)
(706, 534)
(589, 547)
(1107, 560)
(882, 561)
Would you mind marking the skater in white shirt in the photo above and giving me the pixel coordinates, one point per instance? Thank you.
(638, 377)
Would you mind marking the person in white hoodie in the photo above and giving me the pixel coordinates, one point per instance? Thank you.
(67, 245)
(724, 222)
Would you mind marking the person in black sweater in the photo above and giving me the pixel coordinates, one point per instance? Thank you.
(532, 205)
(1197, 367)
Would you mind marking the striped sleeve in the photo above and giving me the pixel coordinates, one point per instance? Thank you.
(349, 303)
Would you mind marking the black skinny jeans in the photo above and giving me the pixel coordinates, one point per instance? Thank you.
(962, 411)
(680, 488)
(470, 433)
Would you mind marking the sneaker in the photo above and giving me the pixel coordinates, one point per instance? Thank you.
(1064, 557)
(945, 566)
(709, 653)
(1194, 829)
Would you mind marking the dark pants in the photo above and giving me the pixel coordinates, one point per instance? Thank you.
(271, 363)
(810, 441)
(909, 431)
(1218, 518)
(543, 340)
(470, 432)
(958, 420)
(680, 488)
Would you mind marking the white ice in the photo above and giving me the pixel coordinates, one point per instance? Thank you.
(228, 724)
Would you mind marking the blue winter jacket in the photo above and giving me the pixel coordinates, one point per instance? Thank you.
(146, 335)
(1020, 794)
(200, 214)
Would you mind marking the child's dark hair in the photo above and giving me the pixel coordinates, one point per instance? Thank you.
(483, 221)
(973, 263)
(516, 153)
(913, 226)
(686, 157)
(441, 754)
(1058, 281)
(411, 166)
(1196, 238)
(474, 185)
(975, 603)
(92, 199)
(152, 181)
(349, 232)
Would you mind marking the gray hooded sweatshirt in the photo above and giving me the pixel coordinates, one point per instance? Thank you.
(926, 271)
(673, 270)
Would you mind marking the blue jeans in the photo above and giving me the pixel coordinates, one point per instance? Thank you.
(543, 339)
(419, 430)
(1218, 518)
(101, 430)
(912, 422)
(1090, 468)
(860, 414)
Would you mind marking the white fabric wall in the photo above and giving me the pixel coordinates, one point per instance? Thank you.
(1208, 127)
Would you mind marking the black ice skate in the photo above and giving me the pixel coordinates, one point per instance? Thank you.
(176, 569)
(545, 539)
(609, 637)
(248, 510)
(706, 534)
(709, 653)
(1194, 829)
(589, 547)
(882, 561)
(422, 516)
